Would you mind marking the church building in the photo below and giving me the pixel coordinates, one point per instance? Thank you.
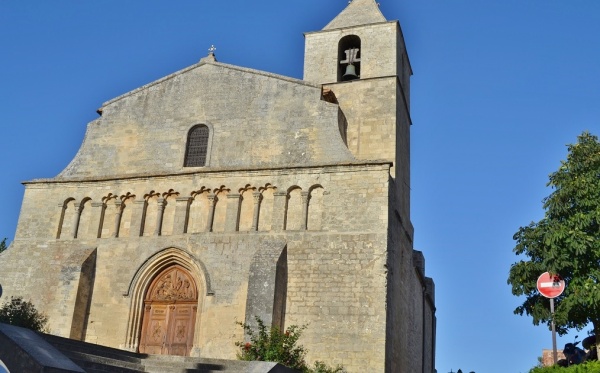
(220, 193)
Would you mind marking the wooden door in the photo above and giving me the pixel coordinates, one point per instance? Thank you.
(169, 314)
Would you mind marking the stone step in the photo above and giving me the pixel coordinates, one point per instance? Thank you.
(180, 364)
(101, 359)
(66, 344)
(23, 350)
(95, 358)
(92, 362)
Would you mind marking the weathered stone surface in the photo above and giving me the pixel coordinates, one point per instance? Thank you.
(301, 214)
(22, 350)
(255, 119)
(359, 12)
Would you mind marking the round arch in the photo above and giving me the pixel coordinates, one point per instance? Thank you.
(349, 51)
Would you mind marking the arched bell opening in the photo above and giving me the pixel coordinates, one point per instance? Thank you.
(169, 316)
(349, 58)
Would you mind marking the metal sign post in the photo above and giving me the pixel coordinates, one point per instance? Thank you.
(551, 286)
(554, 352)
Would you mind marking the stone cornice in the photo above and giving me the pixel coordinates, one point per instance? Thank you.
(325, 168)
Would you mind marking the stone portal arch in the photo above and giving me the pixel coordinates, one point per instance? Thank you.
(148, 277)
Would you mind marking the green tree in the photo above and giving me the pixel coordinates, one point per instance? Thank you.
(2, 245)
(21, 313)
(566, 242)
(588, 367)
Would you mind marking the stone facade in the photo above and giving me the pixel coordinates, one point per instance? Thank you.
(300, 214)
(548, 357)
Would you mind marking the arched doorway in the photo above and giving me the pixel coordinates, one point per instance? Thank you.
(170, 307)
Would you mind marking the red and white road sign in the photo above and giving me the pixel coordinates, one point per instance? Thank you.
(550, 286)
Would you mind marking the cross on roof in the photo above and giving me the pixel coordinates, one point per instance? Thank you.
(212, 49)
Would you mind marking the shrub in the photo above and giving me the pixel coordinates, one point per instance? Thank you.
(271, 344)
(589, 367)
(321, 367)
(22, 313)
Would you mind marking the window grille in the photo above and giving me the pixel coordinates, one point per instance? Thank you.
(197, 146)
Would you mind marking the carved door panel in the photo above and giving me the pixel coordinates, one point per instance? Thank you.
(169, 314)
(181, 329)
(154, 329)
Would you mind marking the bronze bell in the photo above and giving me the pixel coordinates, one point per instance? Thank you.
(350, 73)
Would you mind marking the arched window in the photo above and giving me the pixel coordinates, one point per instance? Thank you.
(197, 146)
(349, 58)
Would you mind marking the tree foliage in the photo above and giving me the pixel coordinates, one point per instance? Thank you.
(2, 245)
(589, 367)
(22, 313)
(565, 242)
(271, 344)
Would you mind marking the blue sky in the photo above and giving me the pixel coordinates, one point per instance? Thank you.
(499, 89)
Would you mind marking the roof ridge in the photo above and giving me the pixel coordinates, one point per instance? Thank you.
(358, 12)
(205, 61)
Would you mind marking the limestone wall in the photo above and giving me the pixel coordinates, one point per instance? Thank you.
(336, 282)
(376, 107)
(255, 119)
(263, 200)
(382, 54)
(369, 107)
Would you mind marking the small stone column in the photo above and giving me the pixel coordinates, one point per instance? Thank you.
(182, 205)
(76, 218)
(279, 210)
(63, 208)
(97, 211)
(305, 200)
(102, 218)
(257, 199)
(159, 217)
(137, 218)
(118, 215)
(232, 216)
(212, 199)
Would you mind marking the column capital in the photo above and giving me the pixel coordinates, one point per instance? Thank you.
(257, 197)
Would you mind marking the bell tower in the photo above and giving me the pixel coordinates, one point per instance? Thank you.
(361, 57)
(360, 60)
